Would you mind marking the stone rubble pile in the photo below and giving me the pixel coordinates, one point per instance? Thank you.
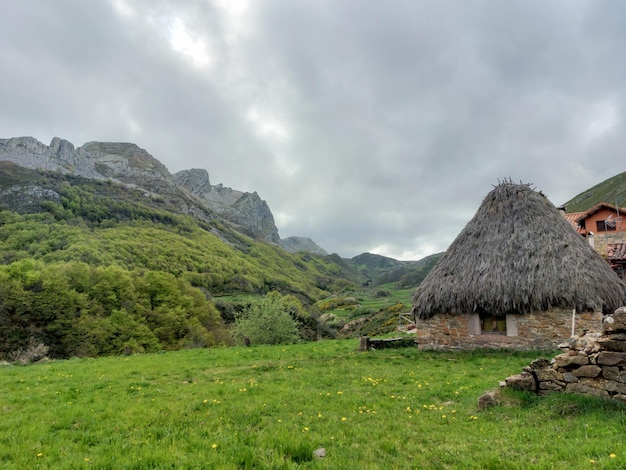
(594, 364)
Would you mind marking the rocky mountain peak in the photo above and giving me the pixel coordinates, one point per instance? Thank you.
(124, 161)
(129, 164)
(194, 180)
(247, 211)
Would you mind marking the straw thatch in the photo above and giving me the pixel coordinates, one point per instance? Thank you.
(517, 255)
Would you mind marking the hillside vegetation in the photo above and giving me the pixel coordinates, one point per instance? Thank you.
(378, 270)
(612, 191)
(103, 268)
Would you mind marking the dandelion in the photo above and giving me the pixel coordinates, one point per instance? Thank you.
(443, 416)
(339, 393)
(214, 446)
(40, 454)
(592, 461)
(612, 456)
(344, 419)
(205, 401)
(305, 429)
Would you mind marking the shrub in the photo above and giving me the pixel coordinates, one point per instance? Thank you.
(266, 321)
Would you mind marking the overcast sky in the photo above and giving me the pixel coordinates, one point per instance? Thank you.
(367, 125)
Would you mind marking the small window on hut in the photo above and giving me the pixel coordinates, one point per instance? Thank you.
(490, 324)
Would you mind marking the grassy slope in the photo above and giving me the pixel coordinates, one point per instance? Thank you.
(271, 407)
(612, 191)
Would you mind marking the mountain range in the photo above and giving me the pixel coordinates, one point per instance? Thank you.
(126, 163)
(32, 175)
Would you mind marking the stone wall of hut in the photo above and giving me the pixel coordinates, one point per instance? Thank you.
(535, 331)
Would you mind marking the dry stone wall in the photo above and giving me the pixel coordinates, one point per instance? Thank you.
(593, 364)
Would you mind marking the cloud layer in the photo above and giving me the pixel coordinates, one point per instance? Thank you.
(366, 125)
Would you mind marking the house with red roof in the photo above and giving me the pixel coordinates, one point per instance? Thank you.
(605, 228)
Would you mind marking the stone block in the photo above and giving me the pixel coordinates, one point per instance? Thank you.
(615, 322)
(569, 377)
(612, 386)
(570, 362)
(551, 386)
(609, 343)
(587, 371)
(540, 363)
(611, 358)
(616, 336)
(612, 373)
(545, 375)
(523, 381)
(488, 399)
(594, 382)
(586, 390)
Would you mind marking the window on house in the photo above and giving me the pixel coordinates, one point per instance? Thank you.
(493, 323)
(605, 226)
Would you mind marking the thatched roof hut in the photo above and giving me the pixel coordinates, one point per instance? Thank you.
(518, 255)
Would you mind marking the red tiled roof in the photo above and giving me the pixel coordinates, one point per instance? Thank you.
(596, 208)
(572, 218)
(616, 251)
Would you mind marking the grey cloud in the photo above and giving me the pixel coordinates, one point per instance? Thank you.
(397, 117)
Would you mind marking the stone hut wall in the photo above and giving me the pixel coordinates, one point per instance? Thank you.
(537, 330)
(594, 364)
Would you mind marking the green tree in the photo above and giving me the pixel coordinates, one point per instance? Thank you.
(266, 321)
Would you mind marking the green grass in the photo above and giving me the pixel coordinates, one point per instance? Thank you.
(271, 407)
(370, 302)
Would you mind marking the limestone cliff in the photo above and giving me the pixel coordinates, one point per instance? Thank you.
(247, 211)
(189, 190)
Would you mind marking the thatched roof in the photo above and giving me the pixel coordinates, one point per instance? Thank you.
(518, 254)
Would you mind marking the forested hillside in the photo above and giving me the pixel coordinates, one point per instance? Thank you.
(103, 251)
(102, 268)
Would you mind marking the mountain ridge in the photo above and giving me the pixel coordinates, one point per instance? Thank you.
(129, 164)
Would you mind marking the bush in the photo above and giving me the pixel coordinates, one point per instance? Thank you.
(266, 321)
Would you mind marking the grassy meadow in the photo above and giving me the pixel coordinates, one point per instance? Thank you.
(273, 406)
